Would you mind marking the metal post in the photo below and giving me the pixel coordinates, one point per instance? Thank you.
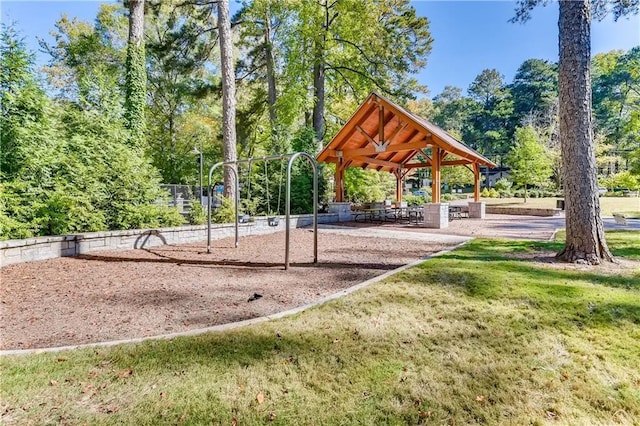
(292, 158)
(235, 172)
(288, 207)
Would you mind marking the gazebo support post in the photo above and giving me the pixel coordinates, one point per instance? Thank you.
(435, 175)
(476, 182)
(339, 182)
(399, 176)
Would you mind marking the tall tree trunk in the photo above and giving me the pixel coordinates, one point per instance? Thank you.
(136, 75)
(228, 96)
(318, 94)
(585, 240)
(271, 73)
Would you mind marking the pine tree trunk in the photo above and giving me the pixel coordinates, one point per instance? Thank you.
(318, 94)
(271, 73)
(585, 241)
(136, 75)
(228, 96)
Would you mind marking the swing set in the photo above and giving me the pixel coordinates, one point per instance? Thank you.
(272, 220)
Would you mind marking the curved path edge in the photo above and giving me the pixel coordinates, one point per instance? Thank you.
(234, 325)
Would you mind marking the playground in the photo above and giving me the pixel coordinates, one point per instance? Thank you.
(119, 295)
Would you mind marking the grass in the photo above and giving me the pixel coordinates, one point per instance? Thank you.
(622, 243)
(480, 335)
(608, 205)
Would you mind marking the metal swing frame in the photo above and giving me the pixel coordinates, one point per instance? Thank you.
(292, 157)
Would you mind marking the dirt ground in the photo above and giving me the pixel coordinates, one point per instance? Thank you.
(137, 293)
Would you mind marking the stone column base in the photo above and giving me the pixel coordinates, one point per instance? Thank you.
(343, 210)
(436, 215)
(477, 210)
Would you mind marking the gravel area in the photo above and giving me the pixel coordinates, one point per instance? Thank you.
(493, 226)
(137, 293)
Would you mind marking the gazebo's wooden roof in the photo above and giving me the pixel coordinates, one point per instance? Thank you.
(382, 135)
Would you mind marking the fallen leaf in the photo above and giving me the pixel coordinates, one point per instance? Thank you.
(336, 340)
(480, 398)
(260, 398)
(424, 414)
(272, 416)
(53, 383)
(234, 422)
(183, 417)
(87, 388)
(163, 395)
(61, 359)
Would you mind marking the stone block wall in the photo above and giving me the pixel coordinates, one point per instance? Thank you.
(42, 248)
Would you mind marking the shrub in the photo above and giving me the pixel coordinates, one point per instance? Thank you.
(225, 212)
(197, 214)
(485, 193)
(493, 193)
(503, 185)
(415, 200)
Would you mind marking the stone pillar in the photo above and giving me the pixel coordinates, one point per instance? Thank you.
(436, 215)
(343, 210)
(477, 210)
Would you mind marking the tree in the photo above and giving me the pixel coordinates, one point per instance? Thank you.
(490, 118)
(228, 96)
(585, 239)
(136, 77)
(528, 160)
(535, 93)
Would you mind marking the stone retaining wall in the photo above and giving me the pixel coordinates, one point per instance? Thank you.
(41, 248)
(524, 211)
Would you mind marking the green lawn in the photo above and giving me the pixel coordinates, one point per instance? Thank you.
(484, 334)
(608, 205)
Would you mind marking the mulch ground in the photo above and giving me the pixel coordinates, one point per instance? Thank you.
(137, 293)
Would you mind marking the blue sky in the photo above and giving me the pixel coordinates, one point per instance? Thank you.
(469, 36)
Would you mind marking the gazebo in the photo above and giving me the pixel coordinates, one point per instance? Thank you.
(383, 136)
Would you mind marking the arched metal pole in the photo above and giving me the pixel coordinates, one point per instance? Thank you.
(229, 164)
(292, 158)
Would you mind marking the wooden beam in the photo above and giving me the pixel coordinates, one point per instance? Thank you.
(435, 176)
(399, 175)
(378, 162)
(366, 135)
(380, 124)
(417, 165)
(339, 183)
(476, 182)
(372, 150)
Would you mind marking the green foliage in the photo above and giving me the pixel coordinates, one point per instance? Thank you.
(225, 213)
(136, 94)
(485, 192)
(416, 200)
(362, 186)
(528, 161)
(624, 179)
(67, 168)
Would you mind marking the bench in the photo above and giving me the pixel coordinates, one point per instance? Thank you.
(620, 218)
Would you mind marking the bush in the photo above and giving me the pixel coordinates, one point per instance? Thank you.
(493, 193)
(503, 185)
(485, 193)
(197, 214)
(415, 200)
(225, 212)
(148, 216)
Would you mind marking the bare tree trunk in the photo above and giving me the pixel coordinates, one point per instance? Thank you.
(585, 234)
(228, 96)
(318, 94)
(271, 73)
(136, 75)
